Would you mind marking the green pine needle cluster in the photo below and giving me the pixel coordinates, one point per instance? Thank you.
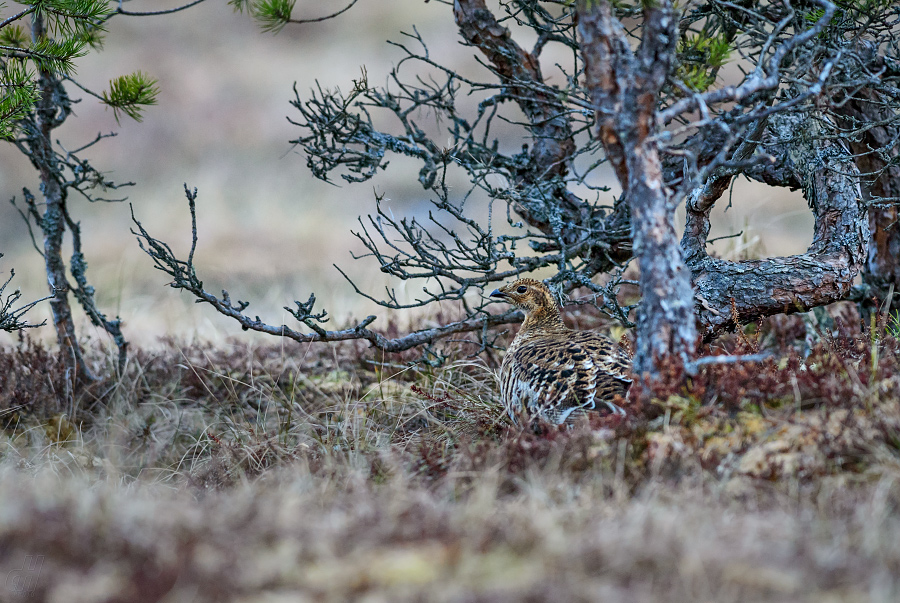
(853, 11)
(701, 56)
(93, 37)
(14, 36)
(69, 18)
(18, 93)
(50, 55)
(272, 15)
(240, 5)
(130, 94)
(70, 27)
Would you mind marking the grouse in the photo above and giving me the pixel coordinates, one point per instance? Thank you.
(553, 372)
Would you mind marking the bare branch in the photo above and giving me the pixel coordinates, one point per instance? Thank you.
(746, 291)
(450, 249)
(154, 13)
(693, 367)
(326, 17)
(758, 82)
(11, 318)
(185, 277)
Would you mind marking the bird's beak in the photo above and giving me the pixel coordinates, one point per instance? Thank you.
(499, 293)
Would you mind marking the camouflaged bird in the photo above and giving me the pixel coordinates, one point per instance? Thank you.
(552, 371)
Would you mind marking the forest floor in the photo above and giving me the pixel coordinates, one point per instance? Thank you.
(328, 473)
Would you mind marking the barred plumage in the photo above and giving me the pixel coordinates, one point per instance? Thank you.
(552, 371)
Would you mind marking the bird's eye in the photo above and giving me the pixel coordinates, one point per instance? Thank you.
(521, 289)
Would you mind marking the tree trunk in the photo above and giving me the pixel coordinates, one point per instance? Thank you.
(876, 148)
(624, 87)
(666, 327)
(49, 114)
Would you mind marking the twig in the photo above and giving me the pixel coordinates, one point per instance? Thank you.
(11, 318)
(325, 18)
(692, 367)
(155, 13)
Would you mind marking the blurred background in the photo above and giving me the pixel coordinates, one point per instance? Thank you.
(269, 232)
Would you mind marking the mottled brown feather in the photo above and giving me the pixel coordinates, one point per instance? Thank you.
(552, 371)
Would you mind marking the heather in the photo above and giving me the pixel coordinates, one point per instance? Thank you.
(238, 471)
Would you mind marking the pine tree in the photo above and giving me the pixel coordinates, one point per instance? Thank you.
(39, 46)
(811, 104)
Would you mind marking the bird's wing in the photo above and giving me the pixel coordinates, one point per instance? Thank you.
(555, 374)
(606, 354)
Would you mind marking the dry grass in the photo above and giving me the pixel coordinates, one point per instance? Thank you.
(322, 474)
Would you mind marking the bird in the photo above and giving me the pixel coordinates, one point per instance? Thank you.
(553, 372)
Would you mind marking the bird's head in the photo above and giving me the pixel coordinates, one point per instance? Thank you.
(532, 297)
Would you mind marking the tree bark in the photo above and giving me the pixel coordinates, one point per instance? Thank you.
(732, 293)
(875, 142)
(49, 114)
(624, 87)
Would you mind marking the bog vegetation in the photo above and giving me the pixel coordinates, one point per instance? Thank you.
(759, 459)
(331, 473)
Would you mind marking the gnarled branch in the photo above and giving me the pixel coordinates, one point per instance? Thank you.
(752, 289)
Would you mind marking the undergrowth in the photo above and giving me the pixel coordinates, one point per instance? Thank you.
(243, 472)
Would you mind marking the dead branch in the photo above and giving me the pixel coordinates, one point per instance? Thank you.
(184, 276)
(11, 318)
